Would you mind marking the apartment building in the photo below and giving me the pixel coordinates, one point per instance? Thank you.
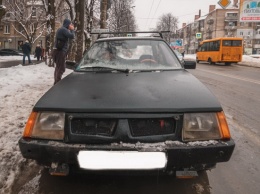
(220, 23)
(11, 30)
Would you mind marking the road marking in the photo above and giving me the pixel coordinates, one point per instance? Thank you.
(231, 76)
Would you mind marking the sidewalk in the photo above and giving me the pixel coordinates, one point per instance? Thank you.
(6, 64)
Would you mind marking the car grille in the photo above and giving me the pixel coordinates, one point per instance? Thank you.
(148, 127)
(85, 126)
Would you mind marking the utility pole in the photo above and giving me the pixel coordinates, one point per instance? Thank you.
(103, 15)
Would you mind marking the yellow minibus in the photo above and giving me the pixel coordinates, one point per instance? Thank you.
(225, 50)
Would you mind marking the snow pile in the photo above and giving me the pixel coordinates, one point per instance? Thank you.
(21, 87)
(13, 58)
(246, 60)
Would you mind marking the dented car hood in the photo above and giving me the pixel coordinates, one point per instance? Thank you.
(142, 92)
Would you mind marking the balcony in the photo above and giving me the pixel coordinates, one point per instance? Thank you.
(232, 28)
(257, 36)
(208, 37)
(210, 21)
(257, 46)
(231, 18)
(209, 30)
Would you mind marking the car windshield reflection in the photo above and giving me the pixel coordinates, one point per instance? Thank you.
(129, 55)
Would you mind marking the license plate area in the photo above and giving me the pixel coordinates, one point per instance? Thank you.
(121, 160)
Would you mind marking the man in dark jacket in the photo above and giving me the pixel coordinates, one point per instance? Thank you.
(26, 47)
(61, 45)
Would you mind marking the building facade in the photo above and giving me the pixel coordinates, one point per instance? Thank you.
(12, 33)
(220, 23)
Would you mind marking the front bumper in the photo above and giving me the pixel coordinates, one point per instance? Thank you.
(179, 155)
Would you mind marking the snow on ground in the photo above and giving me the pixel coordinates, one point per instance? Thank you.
(246, 60)
(13, 58)
(20, 88)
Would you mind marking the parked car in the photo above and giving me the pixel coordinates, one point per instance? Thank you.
(10, 52)
(129, 105)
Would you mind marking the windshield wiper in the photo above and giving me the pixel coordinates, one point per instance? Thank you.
(106, 68)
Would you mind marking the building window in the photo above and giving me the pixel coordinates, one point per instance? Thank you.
(34, 12)
(20, 43)
(7, 29)
(241, 33)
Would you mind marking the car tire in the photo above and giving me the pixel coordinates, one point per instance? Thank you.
(227, 64)
(210, 61)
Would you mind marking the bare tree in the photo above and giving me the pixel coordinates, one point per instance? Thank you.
(49, 7)
(79, 21)
(83, 19)
(121, 17)
(91, 9)
(103, 14)
(167, 22)
(2, 10)
(28, 18)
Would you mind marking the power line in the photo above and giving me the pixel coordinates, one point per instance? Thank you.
(149, 13)
(155, 12)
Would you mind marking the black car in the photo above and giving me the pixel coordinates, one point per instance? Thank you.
(129, 106)
(10, 52)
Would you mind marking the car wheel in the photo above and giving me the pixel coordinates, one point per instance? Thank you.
(197, 61)
(227, 63)
(210, 61)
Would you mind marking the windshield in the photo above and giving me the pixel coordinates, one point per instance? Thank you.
(130, 55)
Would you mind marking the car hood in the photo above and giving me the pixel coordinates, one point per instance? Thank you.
(167, 91)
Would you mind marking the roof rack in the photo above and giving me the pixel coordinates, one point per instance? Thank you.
(131, 32)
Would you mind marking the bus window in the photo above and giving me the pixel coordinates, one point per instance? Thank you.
(227, 42)
(217, 45)
(237, 43)
(204, 47)
(211, 46)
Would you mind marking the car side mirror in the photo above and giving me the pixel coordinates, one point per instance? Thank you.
(189, 65)
(71, 65)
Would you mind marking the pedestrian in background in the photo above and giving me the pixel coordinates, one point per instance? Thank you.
(38, 52)
(26, 47)
(63, 35)
(43, 53)
(183, 53)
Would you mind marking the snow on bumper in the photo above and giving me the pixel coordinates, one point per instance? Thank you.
(179, 155)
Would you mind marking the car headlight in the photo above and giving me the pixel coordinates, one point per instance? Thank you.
(45, 125)
(205, 126)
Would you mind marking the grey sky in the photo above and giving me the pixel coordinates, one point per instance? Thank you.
(185, 10)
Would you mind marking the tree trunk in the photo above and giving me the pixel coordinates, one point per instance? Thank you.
(80, 29)
(51, 31)
(89, 23)
(103, 15)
